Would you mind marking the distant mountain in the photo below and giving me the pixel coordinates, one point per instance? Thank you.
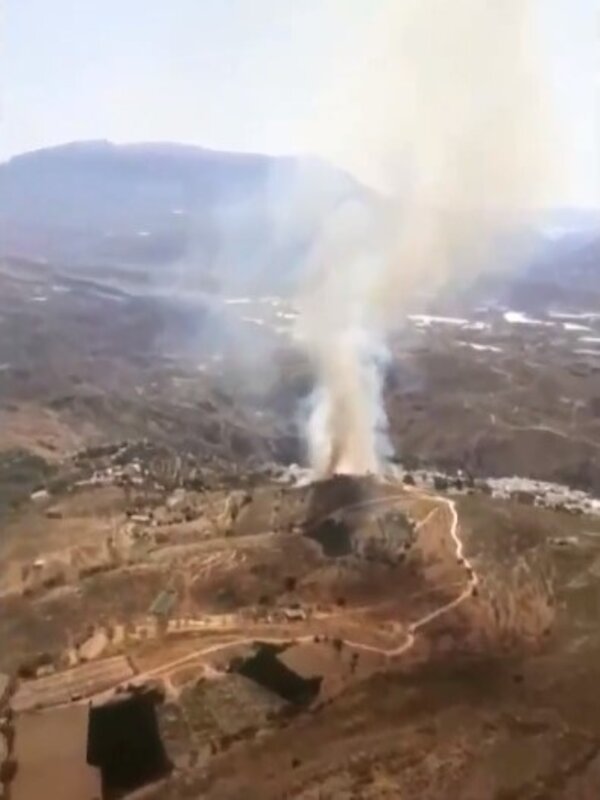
(177, 216)
(562, 274)
(565, 273)
(169, 212)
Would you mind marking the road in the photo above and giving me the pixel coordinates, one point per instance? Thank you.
(393, 652)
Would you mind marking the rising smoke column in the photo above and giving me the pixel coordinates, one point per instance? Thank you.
(346, 342)
(445, 113)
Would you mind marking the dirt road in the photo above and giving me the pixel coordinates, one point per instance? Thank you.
(413, 628)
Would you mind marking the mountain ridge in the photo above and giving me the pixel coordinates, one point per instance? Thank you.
(234, 215)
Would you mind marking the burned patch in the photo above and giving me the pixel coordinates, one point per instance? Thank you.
(334, 494)
(335, 510)
(334, 536)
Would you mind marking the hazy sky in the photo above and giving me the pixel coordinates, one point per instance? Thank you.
(232, 74)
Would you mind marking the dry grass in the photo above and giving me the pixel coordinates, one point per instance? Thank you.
(39, 430)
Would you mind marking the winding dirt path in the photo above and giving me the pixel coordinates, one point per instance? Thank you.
(393, 652)
(467, 592)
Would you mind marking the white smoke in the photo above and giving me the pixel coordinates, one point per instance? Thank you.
(443, 106)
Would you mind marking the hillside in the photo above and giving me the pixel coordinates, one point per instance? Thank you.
(176, 212)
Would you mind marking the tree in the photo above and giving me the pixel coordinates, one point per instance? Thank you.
(440, 483)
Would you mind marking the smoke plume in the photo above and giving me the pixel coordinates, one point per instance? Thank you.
(443, 109)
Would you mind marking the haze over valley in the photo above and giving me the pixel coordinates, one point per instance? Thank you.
(299, 454)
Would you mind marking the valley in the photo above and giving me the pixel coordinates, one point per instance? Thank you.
(162, 539)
